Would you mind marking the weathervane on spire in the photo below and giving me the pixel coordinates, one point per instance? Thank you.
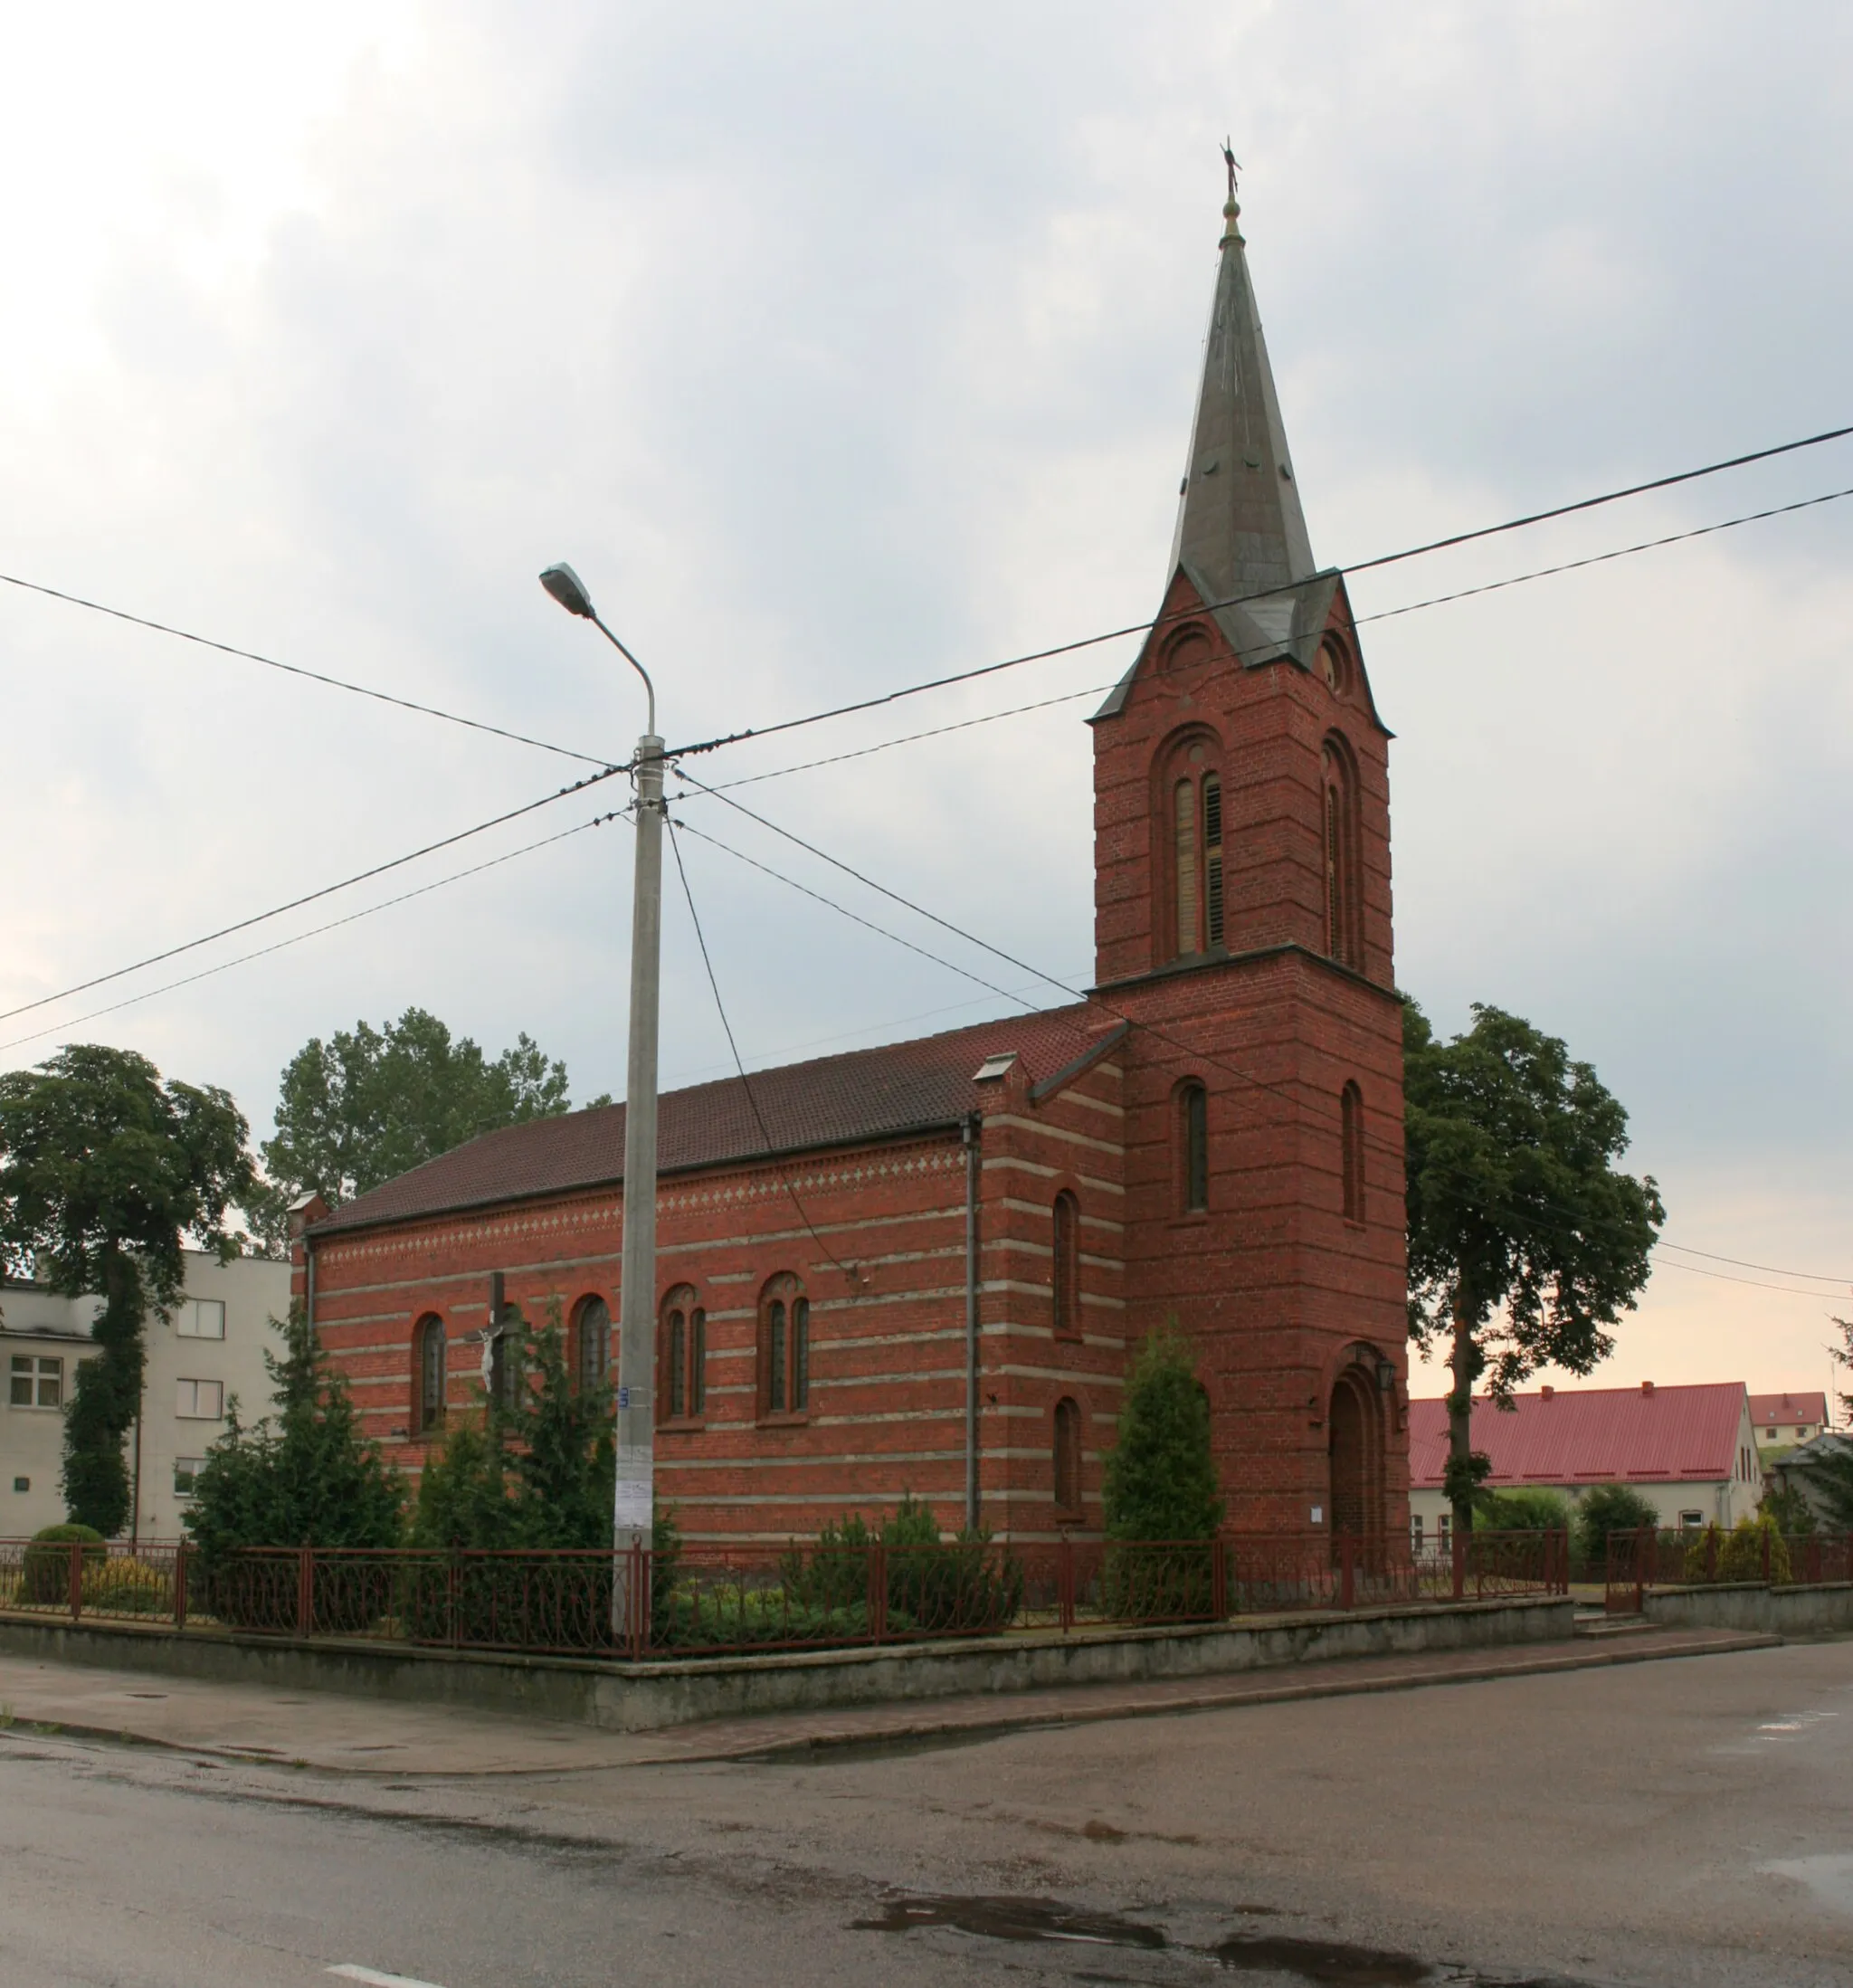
(1231, 210)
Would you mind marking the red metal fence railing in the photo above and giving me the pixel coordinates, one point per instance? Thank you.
(713, 1600)
(1637, 1561)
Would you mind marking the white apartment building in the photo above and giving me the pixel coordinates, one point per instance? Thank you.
(211, 1350)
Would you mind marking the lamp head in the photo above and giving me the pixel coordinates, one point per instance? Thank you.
(568, 589)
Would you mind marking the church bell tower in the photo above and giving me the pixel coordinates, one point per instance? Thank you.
(1242, 919)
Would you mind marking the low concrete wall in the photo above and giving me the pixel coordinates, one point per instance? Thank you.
(1825, 1610)
(640, 1698)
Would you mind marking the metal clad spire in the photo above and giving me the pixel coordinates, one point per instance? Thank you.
(1240, 527)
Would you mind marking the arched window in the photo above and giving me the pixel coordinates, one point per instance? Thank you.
(1351, 1143)
(682, 1357)
(785, 1348)
(1068, 1458)
(1196, 829)
(1193, 1148)
(428, 1341)
(592, 1343)
(1065, 1277)
(1338, 799)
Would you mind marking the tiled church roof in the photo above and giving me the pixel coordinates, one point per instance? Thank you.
(831, 1100)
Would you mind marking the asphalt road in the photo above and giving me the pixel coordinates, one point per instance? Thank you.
(1684, 1822)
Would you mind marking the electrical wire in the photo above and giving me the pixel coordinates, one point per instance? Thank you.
(1148, 628)
(1793, 1290)
(297, 670)
(263, 952)
(310, 897)
(745, 1082)
(1774, 1270)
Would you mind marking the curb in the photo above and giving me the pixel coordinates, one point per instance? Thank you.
(845, 1740)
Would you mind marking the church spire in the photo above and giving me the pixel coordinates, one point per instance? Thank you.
(1240, 528)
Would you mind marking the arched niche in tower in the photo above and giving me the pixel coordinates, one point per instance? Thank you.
(1188, 789)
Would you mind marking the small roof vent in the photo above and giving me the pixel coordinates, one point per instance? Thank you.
(1646, 1387)
(994, 1067)
(1547, 1392)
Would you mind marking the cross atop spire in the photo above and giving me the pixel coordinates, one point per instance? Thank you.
(1240, 528)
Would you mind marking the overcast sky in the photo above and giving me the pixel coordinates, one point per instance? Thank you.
(842, 346)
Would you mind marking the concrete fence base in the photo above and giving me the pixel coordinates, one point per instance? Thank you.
(632, 1697)
(1825, 1610)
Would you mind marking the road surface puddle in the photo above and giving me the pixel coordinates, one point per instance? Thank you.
(1014, 1919)
(1324, 1963)
(1828, 1877)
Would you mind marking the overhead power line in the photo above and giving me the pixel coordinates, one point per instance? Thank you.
(296, 938)
(297, 670)
(1239, 600)
(311, 897)
(1774, 1270)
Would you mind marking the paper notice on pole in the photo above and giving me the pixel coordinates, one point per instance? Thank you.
(630, 1501)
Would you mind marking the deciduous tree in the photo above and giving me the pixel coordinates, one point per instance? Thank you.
(106, 1174)
(1525, 1240)
(370, 1103)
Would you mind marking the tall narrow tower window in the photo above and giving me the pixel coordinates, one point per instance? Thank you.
(1066, 1275)
(1193, 1148)
(1339, 838)
(1351, 1157)
(1184, 800)
(1212, 859)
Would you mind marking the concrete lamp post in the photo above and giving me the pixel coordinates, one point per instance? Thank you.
(632, 1495)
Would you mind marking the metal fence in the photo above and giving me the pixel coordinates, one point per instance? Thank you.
(1637, 1561)
(707, 1600)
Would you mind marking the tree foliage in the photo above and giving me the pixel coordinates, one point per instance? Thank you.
(370, 1103)
(1525, 1240)
(1608, 1509)
(106, 1174)
(1161, 1473)
(534, 1469)
(1524, 1508)
(302, 1477)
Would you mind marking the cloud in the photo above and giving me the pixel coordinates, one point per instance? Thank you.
(839, 348)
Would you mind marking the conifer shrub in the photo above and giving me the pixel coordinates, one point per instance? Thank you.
(304, 1476)
(1161, 1496)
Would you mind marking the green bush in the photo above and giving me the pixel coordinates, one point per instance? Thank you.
(128, 1586)
(45, 1577)
(1523, 1510)
(1161, 1475)
(1609, 1508)
(305, 1476)
(1784, 1504)
(1742, 1557)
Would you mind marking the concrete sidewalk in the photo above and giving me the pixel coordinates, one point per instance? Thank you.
(335, 1734)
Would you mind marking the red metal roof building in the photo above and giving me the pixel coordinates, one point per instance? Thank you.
(937, 1257)
(1789, 1418)
(1687, 1449)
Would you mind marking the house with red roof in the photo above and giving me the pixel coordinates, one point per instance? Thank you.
(1780, 1419)
(1688, 1450)
(926, 1268)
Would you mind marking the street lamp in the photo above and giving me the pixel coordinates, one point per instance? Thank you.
(633, 1494)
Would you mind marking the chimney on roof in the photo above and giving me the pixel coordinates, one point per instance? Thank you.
(1546, 1392)
(1646, 1387)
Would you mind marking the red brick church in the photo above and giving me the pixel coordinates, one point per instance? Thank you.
(935, 1278)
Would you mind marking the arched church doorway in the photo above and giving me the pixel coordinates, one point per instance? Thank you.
(1355, 1452)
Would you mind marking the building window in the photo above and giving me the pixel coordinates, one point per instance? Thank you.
(1193, 1148)
(36, 1382)
(1196, 829)
(785, 1348)
(200, 1401)
(1415, 1531)
(592, 1343)
(1444, 1530)
(1339, 800)
(1351, 1143)
(1691, 1521)
(682, 1356)
(428, 1342)
(1066, 1272)
(186, 1471)
(200, 1318)
(1067, 1458)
